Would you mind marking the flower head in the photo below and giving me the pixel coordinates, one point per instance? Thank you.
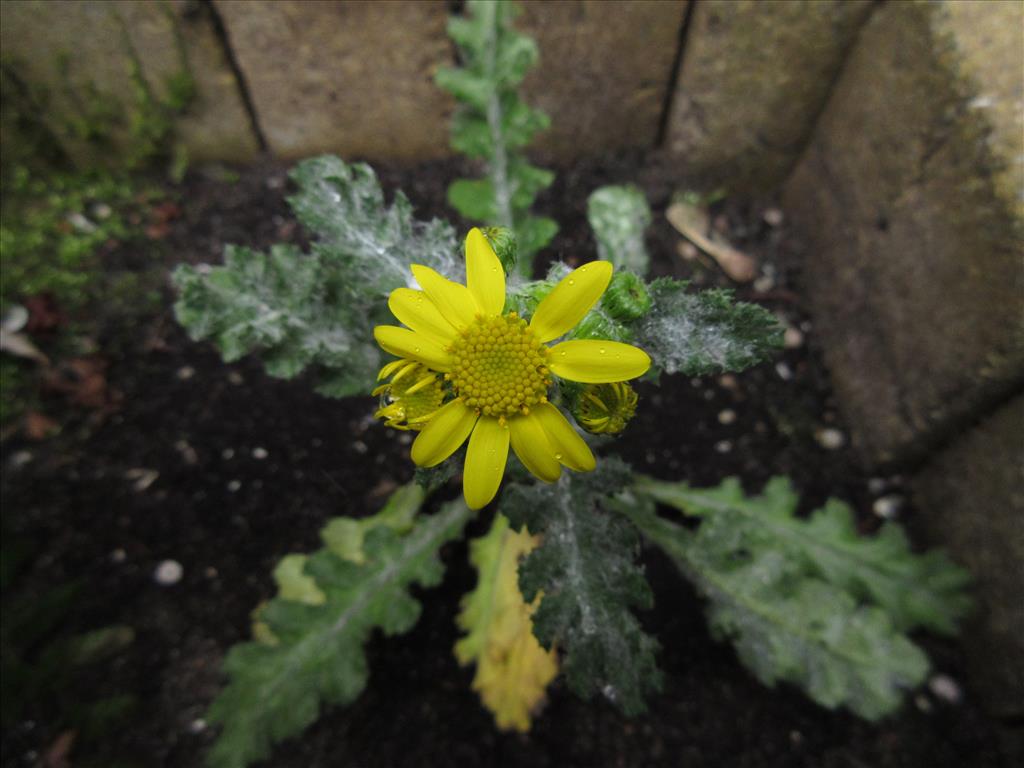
(498, 367)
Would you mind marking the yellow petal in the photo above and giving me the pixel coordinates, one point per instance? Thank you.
(592, 361)
(402, 342)
(485, 461)
(485, 277)
(444, 433)
(531, 445)
(568, 445)
(570, 300)
(452, 300)
(416, 310)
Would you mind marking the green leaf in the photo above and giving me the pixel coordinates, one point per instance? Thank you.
(344, 536)
(316, 311)
(587, 569)
(787, 624)
(493, 124)
(700, 333)
(916, 590)
(276, 691)
(619, 216)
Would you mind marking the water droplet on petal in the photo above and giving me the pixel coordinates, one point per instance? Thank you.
(558, 456)
(572, 282)
(602, 350)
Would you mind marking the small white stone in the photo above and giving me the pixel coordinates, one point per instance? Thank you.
(945, 688)
(197, 726)
(228, 453)
(773, 217)
(188, 453)
(102, 211)
(235, 378)
(118, 555)
(831, 439)
(168, 573)
(784, 371)
(764, 284)
(259, 453)
(20, 458)
(141, 478)
(887, 507)
(186, 372)
(793, 338)
(360, 447)
(723, 446)
(728, 416)
(728, 381)
(877, 485)
(234, 486)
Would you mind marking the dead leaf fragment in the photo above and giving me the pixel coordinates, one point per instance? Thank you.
(691, 222)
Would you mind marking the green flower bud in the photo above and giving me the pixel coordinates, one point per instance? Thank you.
(503, 241)
(627, 297)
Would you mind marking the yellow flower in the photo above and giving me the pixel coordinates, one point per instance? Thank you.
(411, 397)
(499, 367)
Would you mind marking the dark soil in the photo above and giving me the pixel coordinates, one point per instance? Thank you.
(227, 515)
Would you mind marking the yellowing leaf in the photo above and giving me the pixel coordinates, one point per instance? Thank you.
(512, 668)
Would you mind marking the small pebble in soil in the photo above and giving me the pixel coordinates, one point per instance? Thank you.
(118, 555)
(922, 703)
(20, 458)
(360, 447)
(773, 217)
(796, 738)
(168, 573)
(197, 726)
(259, 453)
(405, 438)
(793, 338)
(234, 486)
(830, 439)
(709, 394)
(723, 446)
(650, 458)
(102, 211)
(784, 371)
(210, 572)
(235, 378)
(728, 416)
(227, 453)
(728, 381)
(945, 688)
(764, 283)
(887, 507)
(188, 453)
(687, 250)
(877, 485)
(141, 478)
(186, 372)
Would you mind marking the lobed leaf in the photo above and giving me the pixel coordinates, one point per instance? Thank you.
(699, 333)
(512, 669)
(315, 311)
(788, 624)
(276, 690)
(492, 124)
(619, 216)
(916, 590)
(588, 573)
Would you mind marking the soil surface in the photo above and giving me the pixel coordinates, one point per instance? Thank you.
(224, 470)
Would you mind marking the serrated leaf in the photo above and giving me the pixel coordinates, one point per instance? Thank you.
(619, 216)
(786, 624)
(700, 333)
(315, 311)
(588, 573)
(916, 590)
(492, 123)
(276, 691)
(512, 670)
(344, 536)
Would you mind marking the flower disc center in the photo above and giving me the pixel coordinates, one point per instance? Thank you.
(499, 367)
